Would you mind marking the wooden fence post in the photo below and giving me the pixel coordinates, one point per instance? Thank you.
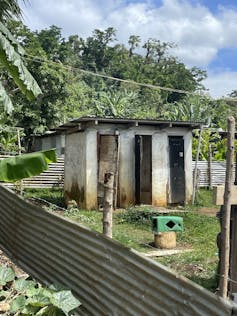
(19, 153)
(196, 165)
(108, 204)
(225, 229)
(210, 167)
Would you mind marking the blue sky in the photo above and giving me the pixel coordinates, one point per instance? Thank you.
(205, 31)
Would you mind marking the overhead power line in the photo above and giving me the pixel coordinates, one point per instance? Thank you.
(132, 82)
(91, 73)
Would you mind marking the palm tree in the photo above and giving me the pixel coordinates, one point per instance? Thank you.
(11, 54)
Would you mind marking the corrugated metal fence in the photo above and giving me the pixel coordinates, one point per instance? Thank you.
(54, 176)
(109, 278)
(217, 173)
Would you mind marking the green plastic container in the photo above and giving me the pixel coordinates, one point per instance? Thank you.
(167, 224)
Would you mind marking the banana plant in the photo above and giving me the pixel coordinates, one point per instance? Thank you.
(25, 166)
(11, 57)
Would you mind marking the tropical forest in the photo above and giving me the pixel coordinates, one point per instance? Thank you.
(98, 76)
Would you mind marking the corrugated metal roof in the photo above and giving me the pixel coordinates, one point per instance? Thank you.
(122, 121)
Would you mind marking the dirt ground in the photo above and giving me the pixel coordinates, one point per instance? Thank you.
(4, 260)
(208, 211)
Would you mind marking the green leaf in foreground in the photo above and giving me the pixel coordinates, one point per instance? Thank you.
(5, 100)
(11, 58)
(17, 304)
(6, 275)
(65, 301)
(38, 300)
(30, 310)
(38, 291)
(50, 311)
(4, 294)
(24, 166)
(22, 285)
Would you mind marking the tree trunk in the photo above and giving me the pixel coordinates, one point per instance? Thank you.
(108, 204)
(225, 229)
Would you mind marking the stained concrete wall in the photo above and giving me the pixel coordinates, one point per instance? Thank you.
(81, 164)
(52, 141)
(75, 167)
(91, 168)
(188, 166)
(160, 172)
(126, 168)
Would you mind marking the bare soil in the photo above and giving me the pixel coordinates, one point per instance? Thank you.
(6, 261)
(208, 211)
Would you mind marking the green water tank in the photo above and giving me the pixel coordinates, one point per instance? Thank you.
(167, 224)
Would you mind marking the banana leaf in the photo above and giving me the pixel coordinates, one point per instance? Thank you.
(27, 165)
(5, 100)
(11, 57)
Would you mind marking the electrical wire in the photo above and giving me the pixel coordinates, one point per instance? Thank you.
(50, 62)
(91, 73)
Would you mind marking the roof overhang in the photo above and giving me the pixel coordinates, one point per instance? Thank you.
(79, 123)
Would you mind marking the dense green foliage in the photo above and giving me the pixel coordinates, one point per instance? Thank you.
(16, 168)
(21, 296)
(69, 71)
(69, 92)
(11, 60)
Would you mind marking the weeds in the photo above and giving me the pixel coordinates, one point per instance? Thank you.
(54, 195)
(20, 296)
(132, 227)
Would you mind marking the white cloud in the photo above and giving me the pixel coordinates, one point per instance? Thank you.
(222, 83)
(199, 33)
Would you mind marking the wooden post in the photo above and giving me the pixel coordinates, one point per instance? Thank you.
(19, 152)
(197, 186)
(210, 166)
(165, 240)
(19, 141)
(108, 204)
(225, 229)
(196, 166)
(116, 178)
(233, 253)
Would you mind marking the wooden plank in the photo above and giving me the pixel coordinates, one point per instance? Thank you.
(165, 252)
(218, 195)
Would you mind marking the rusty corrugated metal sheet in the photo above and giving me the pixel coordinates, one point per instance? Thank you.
(109, 278)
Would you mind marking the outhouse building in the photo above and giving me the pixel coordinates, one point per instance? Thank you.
(49, 140)
(151, 161)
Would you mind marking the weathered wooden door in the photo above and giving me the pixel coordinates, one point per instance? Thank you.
(177, 173)
(108, 146)
(143, 183)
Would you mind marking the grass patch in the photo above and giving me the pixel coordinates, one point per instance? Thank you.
(132, 227)
(204, 198)
(54, 195)
(200, 265)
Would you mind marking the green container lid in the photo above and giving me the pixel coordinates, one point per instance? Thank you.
(167, 224)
